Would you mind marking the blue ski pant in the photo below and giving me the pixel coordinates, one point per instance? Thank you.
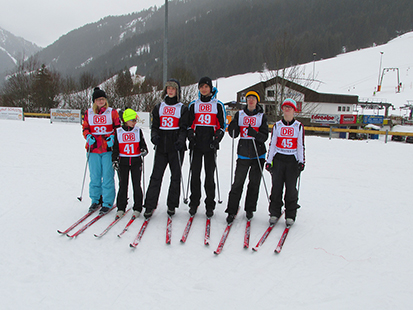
(102, 181)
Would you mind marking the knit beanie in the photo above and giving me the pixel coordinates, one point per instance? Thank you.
(253, 93)
(290, 102)
(205, 80)
(129, 115)
(98, 93)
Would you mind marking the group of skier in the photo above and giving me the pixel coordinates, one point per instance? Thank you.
(114, 147)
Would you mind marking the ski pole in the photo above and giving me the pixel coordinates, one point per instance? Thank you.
(232, 157)
(143, 175)
(299, 182)
(216, 171)
(182, 179)
(189, 177)
(259, 165)
(84, 175)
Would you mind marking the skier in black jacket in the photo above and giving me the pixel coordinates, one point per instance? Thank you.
(207, 128)
(251, 124)
(128, 149)
(168, 134)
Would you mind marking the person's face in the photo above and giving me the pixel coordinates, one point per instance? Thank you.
(252, 102)
(171, 91)
(204, 89)
(100, 102)
(288, 112)
(131, 123)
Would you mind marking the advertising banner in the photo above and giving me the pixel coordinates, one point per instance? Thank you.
(373, 119)
(348, 119)
(65, 116)
(11, 113)
(325, 118)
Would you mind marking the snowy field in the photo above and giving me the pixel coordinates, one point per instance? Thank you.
(349, 249)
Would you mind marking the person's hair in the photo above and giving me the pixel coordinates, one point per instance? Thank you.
(96, 108)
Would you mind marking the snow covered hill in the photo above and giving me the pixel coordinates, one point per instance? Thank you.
(349, 249)
(353, 73)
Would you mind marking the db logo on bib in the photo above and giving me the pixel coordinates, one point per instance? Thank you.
(205, 108)
(289, 132)
(99, 119)
(128, 137)
(250, 121)
(169, 110)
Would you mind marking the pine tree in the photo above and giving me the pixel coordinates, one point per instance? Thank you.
(45, 90)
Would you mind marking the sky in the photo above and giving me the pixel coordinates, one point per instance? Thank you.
(44, 21)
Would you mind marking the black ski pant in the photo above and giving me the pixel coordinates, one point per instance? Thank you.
(209, 185)
(243, 167)
(284, 173)
(122, 199)
(161, 160)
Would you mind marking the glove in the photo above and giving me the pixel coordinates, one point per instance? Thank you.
(300, 167)
(214, 145)
(217, 138)
(251, 131)
(144, 152)
(192, 145)
(156, 139)
(191, 135)
(268, 167)
(90, 139)
(110, 140)
(179, 145)
(115, 165)
(219, 135)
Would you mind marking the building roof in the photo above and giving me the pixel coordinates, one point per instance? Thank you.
(309, 94)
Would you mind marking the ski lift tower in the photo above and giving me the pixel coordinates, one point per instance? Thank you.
(408, 106)
(385, 70)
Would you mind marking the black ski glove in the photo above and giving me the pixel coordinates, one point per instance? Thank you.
(301, 167)
(191, 135)
(179, 145)
(219, 135)
(268, 167)
(251, 131)
(156, 139)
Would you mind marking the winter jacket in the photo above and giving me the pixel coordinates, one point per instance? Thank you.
(246, 148)
(129, 161)
(100, 146)
(204, 135)
(165, 139)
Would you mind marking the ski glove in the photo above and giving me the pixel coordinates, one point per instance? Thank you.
(156, 139)
(251, 131)
(217, 138)
(90, 139)
(110, 140)
(214, 145)
(144, 152)
(300, 167)
(191, 135)
(179, 145)
(268, 167)
(219, 135)
(115, 165)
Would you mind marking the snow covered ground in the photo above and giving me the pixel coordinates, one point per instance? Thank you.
(349, 249)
